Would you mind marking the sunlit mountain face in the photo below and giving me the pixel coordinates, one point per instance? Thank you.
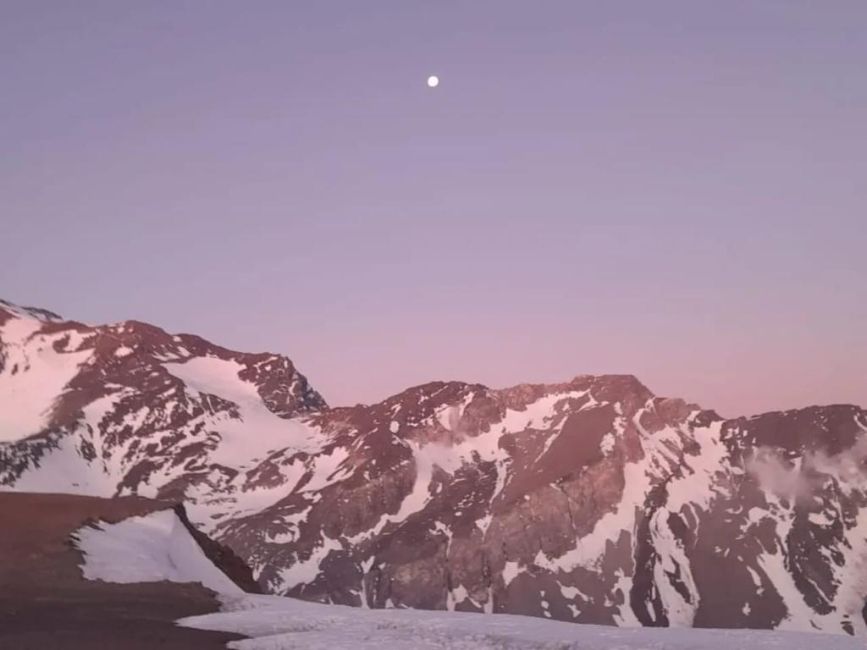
(592, 500)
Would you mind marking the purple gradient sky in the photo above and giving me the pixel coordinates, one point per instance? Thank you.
(676, 190)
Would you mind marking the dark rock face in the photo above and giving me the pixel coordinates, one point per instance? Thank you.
(221, 556)
(591, 501)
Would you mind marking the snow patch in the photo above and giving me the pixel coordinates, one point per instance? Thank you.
(40, 374)
(258, 432)
(305, 571)
(150, 548)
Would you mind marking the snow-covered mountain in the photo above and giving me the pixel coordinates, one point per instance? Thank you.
(591, 501)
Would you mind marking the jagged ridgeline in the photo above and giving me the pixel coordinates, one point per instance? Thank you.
(590, 501)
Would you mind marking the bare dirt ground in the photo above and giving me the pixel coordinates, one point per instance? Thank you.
(46, 604)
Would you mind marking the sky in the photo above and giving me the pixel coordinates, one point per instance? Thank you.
(674, 190)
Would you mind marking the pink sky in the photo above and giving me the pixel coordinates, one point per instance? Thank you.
(676, 191)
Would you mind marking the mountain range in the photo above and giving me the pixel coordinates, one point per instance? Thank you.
(591, 500)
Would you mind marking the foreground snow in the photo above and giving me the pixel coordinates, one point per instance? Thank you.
(277, 623)
(151, 548)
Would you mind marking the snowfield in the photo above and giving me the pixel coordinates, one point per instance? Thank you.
(276, 623)
(38, 374)
(237, 447)
(151, 548)
(158, 547)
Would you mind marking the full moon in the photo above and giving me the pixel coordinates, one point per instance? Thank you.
(433, 81)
